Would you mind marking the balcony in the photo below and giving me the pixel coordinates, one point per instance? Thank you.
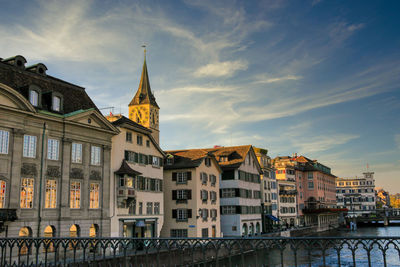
(126, 192)
(287, 192)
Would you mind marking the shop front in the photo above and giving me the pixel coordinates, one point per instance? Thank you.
(139, 228)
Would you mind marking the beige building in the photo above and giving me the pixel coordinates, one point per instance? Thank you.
(136, 189)
(269, 192)
(55, 149)
(137, 184)
(191, 194)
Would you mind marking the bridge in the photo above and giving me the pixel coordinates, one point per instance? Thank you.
(260, 251)
(385, 216)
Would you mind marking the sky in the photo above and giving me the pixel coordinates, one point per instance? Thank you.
(318, 78)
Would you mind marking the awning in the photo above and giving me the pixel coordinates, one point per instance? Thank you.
(273, 218)
(126, 169)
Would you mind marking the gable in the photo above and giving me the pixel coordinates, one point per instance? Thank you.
(11, 98)
(91, 118)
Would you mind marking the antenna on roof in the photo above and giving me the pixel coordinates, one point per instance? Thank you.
(109, 108)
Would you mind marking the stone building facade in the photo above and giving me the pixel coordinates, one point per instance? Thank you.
(54, 156)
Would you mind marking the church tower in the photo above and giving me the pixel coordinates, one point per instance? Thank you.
(143, 108)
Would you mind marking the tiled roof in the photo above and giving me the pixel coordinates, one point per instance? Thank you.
(144, 94)
(235, 155)
(74, 97)
(188, 158)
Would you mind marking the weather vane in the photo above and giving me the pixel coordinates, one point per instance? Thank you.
(144, 47)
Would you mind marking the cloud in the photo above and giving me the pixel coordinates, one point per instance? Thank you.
(221, 69)
(322, 143)
(265, 79)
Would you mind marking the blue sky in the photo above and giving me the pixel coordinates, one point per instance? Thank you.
(320, 78)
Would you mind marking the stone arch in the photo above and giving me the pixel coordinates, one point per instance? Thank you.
(25, 231)
(10, 97)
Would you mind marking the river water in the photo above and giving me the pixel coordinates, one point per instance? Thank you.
(273, 257)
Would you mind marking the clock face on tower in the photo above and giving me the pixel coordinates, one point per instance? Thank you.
(140, 115)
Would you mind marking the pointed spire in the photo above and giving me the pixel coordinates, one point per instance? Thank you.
(144, 94)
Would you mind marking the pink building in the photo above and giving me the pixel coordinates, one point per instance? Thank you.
(315, 187)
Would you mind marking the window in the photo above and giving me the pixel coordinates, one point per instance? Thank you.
(156, 161)
(310, 185)
(75, 195)
(95, 155)
(140, 208)
(213, 179)
(94, 195)
(181, 194)
(179, 233)
(139, 140)
(29, 146)
(204, 214)
(4, 136)
(34, 98)
(52, 149)
(51, 194)
(310, 175)
(127, 182)
(128, 137)
(131, 156)
(204, 178)
(156, 208)
(204, 232)
(182, 214)
(228, 210)
(148, 143)
(228, 192)
(76, 154)
(207, 162)
(213, 214)
(149, 208)
(56, 103)
(204, 195)
(213, 196)
(2, 194)
(26, 197)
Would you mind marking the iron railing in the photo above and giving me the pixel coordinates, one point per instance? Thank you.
(260, 251)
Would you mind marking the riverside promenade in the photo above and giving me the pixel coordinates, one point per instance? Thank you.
(365, 247)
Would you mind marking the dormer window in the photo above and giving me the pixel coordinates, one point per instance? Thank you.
(34, 98)
(56, 103)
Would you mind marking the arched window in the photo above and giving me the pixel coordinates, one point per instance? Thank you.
(74, 231)
(24, 232)
(94, 230)
(34, 97)
(49, 231)
(244, 229)
(251, 229)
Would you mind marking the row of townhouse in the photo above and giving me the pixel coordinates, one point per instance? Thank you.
(66, 170)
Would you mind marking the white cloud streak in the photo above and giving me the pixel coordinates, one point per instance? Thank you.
(221, 69)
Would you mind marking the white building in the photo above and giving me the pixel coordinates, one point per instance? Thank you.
(240, 190)
(356, 194)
